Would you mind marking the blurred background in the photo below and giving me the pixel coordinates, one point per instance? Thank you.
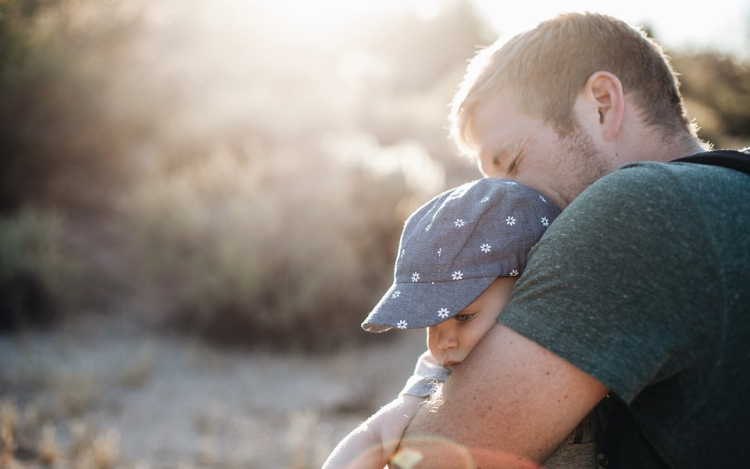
(200, 202)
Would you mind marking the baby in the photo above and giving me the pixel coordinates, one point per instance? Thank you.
(458, 260)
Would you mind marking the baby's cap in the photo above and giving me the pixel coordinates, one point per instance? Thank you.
(453, 247)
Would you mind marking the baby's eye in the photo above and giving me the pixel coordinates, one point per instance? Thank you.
(463, 318)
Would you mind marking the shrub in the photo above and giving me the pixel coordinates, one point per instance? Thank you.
(37, 275)
(62, 116)
(289, 251)
(717, 95)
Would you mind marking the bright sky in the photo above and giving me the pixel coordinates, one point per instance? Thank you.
(719, 24)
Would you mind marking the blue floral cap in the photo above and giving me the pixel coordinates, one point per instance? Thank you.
(455, 246)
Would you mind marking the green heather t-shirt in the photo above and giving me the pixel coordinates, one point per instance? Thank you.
(644, 283)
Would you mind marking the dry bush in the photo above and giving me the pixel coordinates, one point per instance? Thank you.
(717, 95)
(9, 423)
(288, 252)
(49, 449)
(63, 136)
(39, 277)
(207, 123)
(32, 443)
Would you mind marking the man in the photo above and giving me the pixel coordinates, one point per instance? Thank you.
(639, 290)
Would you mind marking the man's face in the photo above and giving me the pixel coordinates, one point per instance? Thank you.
(510, 143)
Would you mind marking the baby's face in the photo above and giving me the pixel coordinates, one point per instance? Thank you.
(451, 340)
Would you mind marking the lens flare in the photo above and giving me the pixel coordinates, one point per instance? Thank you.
(415, 450)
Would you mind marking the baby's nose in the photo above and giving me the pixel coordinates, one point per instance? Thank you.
(447, 339)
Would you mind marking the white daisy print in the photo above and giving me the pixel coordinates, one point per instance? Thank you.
(427, 228)
(510, 220)
(545, 222)
(401, 324)
(543, 199)
(443, 313)
(458, 275)
(486, 199)
(459, 223)
(415, 277)
(396, 294)
(514, 273)
(485, 248)
(440, 252)
(403, 252)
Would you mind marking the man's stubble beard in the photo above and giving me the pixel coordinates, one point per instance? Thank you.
(585, 164)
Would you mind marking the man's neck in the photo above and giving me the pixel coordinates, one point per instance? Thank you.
(655, 147)
(684, 145)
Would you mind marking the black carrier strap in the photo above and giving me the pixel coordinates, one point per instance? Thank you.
(737, 160)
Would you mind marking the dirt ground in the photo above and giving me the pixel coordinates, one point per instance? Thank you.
(103, 392)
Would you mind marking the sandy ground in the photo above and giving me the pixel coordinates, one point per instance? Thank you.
(136, 398)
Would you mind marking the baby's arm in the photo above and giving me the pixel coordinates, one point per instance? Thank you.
(372, 443)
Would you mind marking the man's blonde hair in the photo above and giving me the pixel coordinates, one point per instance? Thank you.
(549, 65)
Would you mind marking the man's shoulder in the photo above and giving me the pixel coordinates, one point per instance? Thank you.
(651, 174)
(684, 169)
(678, 183)
(634, 185)
(639, 199)
(642, 174)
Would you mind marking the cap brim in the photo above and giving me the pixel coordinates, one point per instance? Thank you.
(417, 305)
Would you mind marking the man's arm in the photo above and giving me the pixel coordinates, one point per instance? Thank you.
(371, 444)
(508, 405)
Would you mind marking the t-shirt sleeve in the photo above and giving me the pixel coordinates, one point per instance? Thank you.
(427, 374)
(606, 289)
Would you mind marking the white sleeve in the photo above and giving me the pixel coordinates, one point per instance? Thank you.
(427, 374)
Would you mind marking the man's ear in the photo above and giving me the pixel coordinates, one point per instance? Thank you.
(606, 102)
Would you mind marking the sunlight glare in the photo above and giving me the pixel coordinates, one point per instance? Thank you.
(674, 25)
(319, 15)
(427, 10)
